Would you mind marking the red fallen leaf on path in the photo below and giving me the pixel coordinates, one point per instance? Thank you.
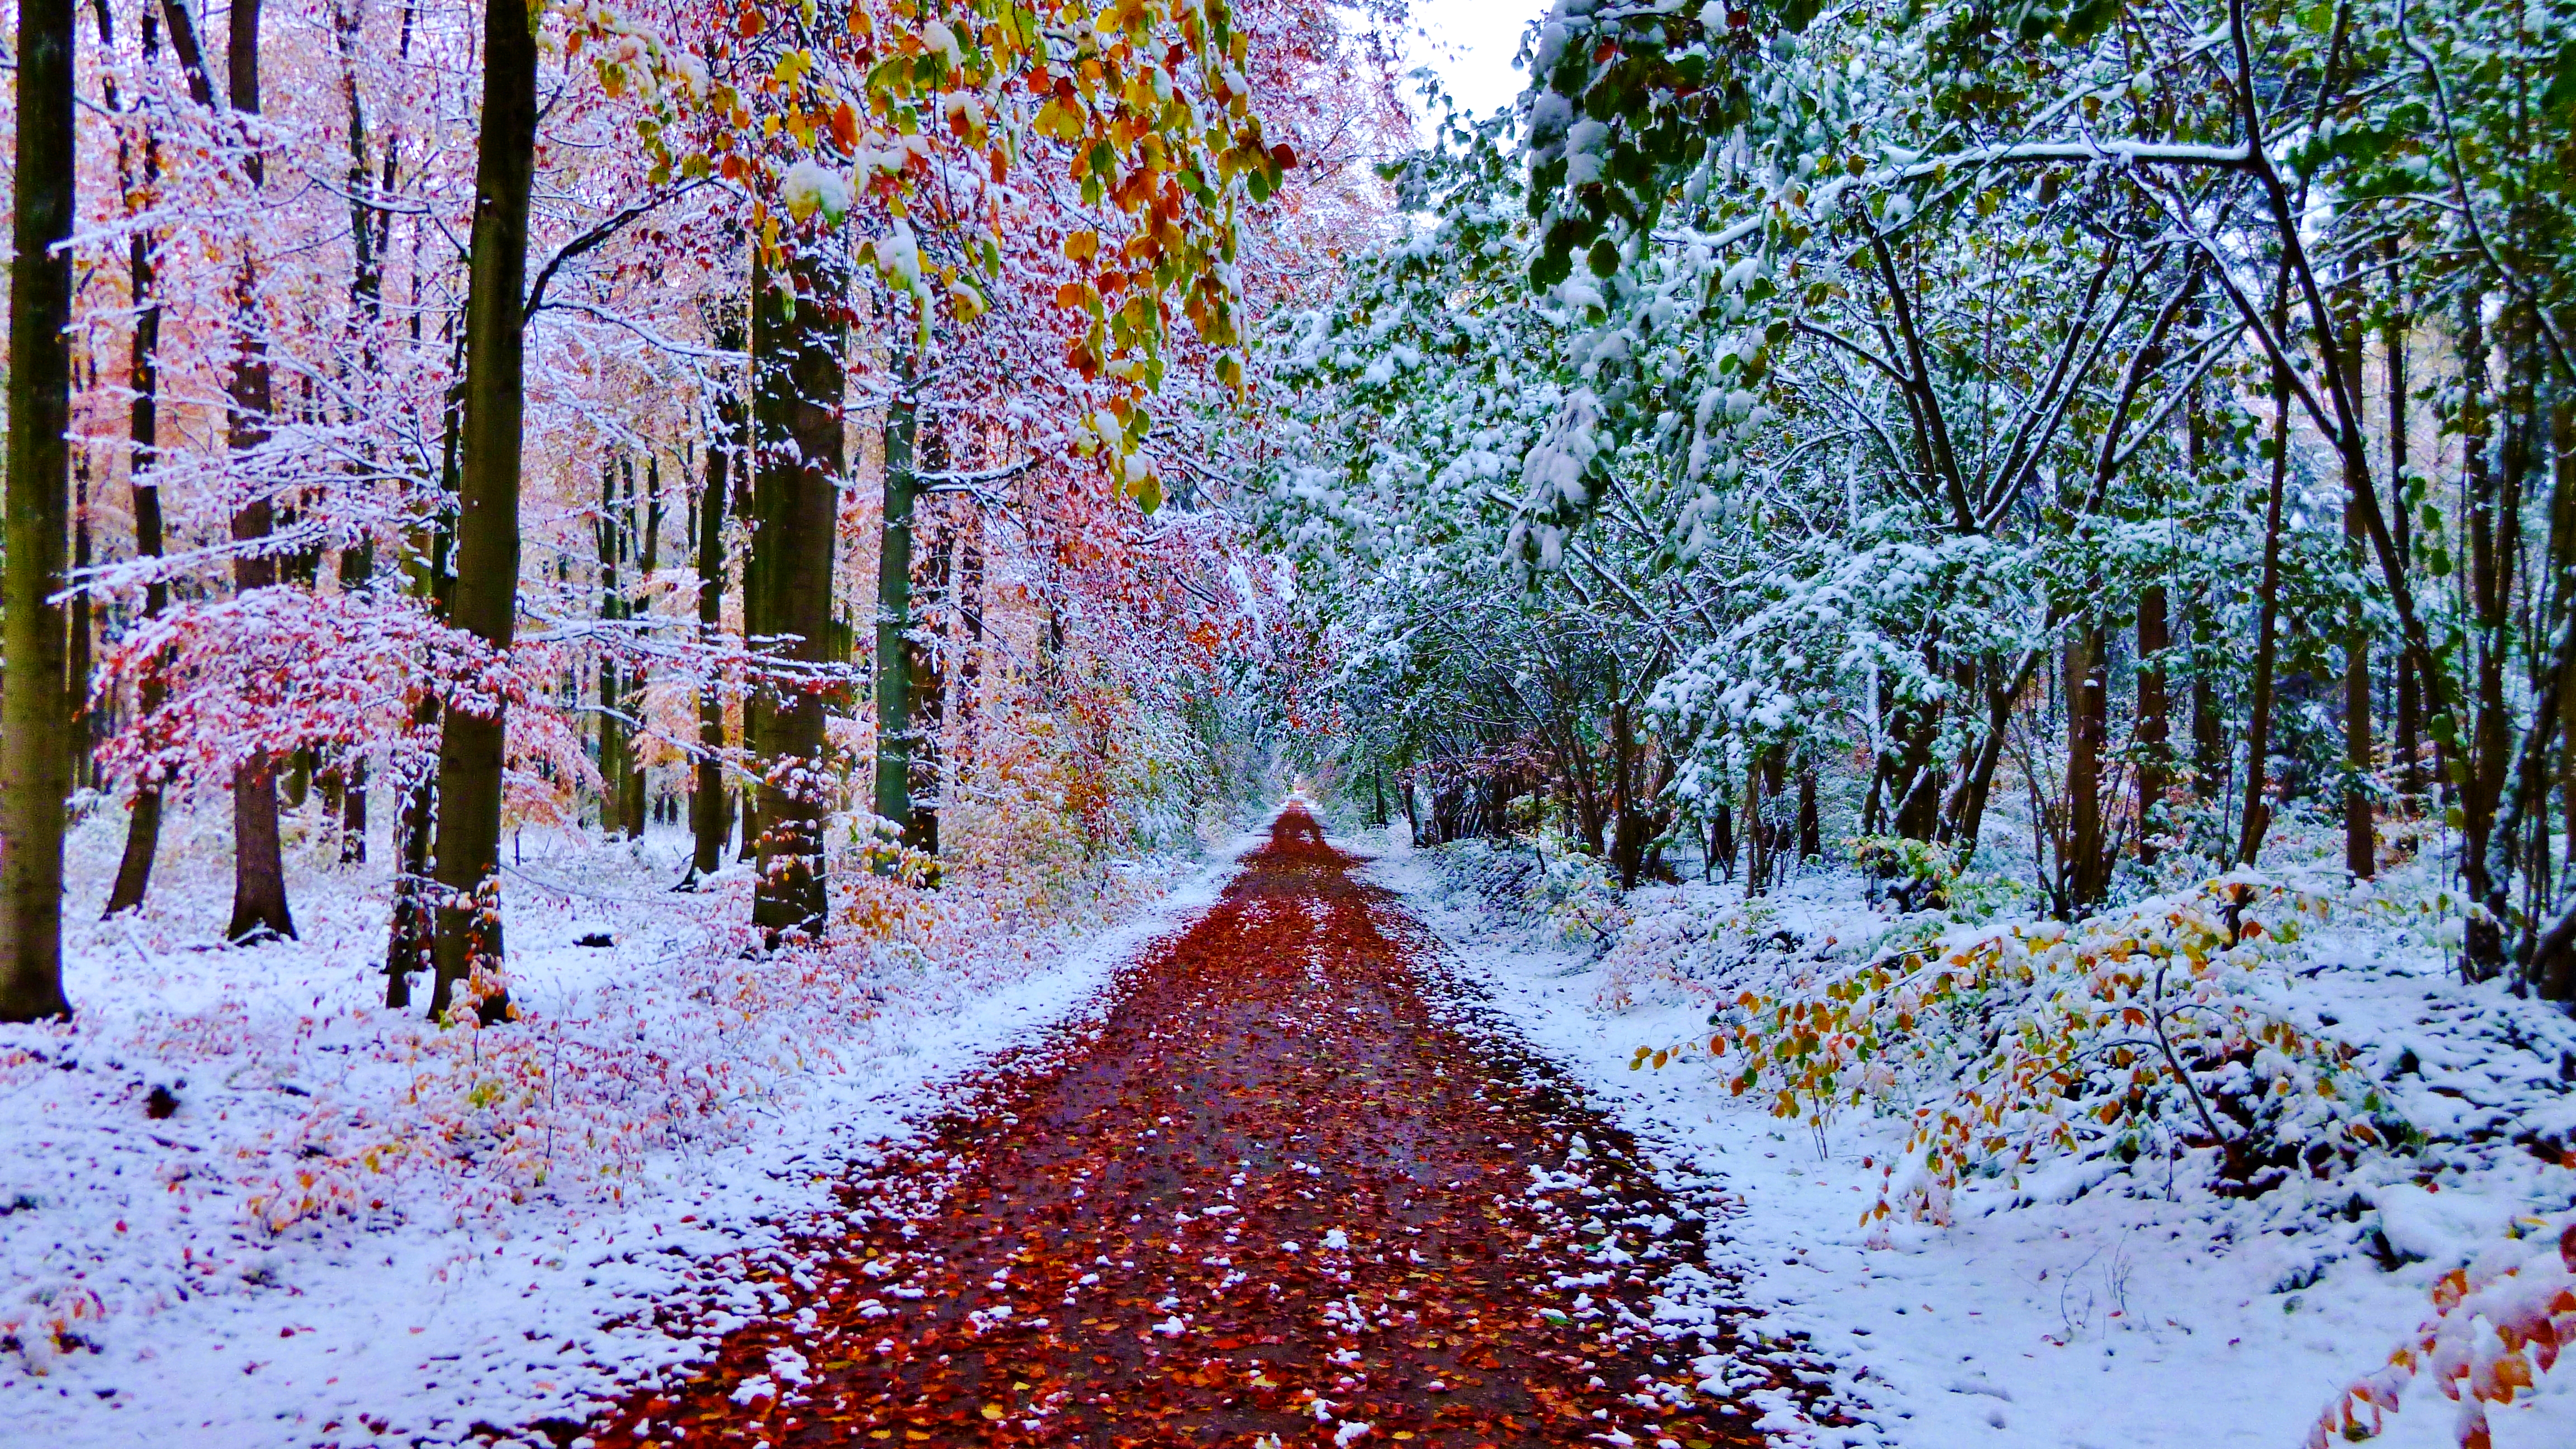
(1281, 1060)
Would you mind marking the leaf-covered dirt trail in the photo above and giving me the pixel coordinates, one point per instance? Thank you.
(1287, 1190)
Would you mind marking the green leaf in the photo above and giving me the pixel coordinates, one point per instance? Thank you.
(2561, 94)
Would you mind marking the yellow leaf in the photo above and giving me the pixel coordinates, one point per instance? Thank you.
(994, 1411)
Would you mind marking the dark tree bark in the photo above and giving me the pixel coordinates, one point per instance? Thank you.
(2153, 737)
(610, 533)
(798, 333)
(35, 704)
(2562, 432)
(2360, 833)
(2258, 714)
(259, 860)
(470, 756)
(646, 550)
(709, 816)
(2208, 731)
(2208, 734)
(924, 653)
(2493, 541)
(143, 827)
(969, 606)
(2087, 869)
(1721, 832)
(77, 660)
(1811, 843)
(2408, 745)
(411, 933)
(894, 612)
(370, 225)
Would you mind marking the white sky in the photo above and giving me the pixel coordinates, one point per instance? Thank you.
(1470, 43)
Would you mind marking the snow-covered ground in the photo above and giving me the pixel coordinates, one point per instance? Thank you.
(242, 1203)
(2086, 1308)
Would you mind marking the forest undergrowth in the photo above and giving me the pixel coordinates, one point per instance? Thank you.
(236, 1128)
(2283, 1051)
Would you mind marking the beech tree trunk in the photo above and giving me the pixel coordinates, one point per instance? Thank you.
(35, 705)
(77, 661)
(143, 826)
(468, 948)
(411, 933)
(259, 861)
(610, 534)
(894, 613)
(644, 548)
(709, 817)
(143, 427)
(798, 332)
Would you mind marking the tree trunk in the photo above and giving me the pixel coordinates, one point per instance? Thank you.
(2562, 432)
(2490, 547)
(709, 819)
(369, 225)
(35, 705)
(259, 862)
(2088, 866)
(1721, 832)
(610, 537)
(645, 548)
(926, 693)
(410, 934)
(2409, 743)
(2258, 715)
(2208, 738)
(894, 612)
(2208, 731)
(77, 663)
(2360, 835)
(143, 827)
(1627, 837)
(798, 334)
(2154, 733)
(468, 952)
(969, 608)
(1811, 843)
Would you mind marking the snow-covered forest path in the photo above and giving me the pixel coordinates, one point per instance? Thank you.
(1289, 1185)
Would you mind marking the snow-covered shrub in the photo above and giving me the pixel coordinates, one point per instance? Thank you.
(1572, 892)
(2161, 1028)
(2494, 1326)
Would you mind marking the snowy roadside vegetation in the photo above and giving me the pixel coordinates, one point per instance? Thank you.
(246, 1203)
(1929, 1125)
(1997, 588)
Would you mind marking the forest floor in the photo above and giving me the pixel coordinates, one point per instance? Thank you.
(1293, 1185)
